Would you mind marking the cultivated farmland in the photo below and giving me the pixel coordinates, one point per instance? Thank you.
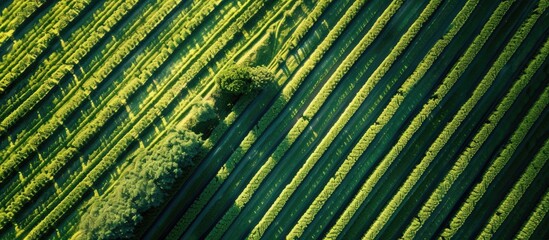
(255, 119)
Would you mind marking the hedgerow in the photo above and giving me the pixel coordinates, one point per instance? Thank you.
(446, 133)
(518, 190)
(481, 136)
(144, 186)
(399, 97)
(101, 165)
(267, 118)
(478, 191)
(36, 41)
(535, 218)
(244, 79)
(61, 62)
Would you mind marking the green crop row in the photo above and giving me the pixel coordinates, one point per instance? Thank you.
(154, 55)
(448, 131)
(78, 142)
(535, 218)
(46, 161)
(164, 46)
(181, 111)
(235, 158)
(254, 183)
(115, 51)
(39, 32)
(425, 64)
(267, 219)
(35, 42)
(404, 90)
(208, 88)
(300, 32)
(371, 132)
(172, 38)
(106, 161)
(14, 15)
(428, 107)
(264, 122)
(151, 101)
(398, 72)
(8, 13)
(483, 134)
(179, 228)
(302, 123)
(534, 167)
(31, 143)
(504, 156)
(59, 63)
(91, 128)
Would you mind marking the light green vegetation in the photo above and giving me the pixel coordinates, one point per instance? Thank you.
(234, 119)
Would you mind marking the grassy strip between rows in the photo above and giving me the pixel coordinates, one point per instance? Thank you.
(404, 90)
(115, 51)
(535, 219)
(208, 88)
(56, 164)
(59, 63)
(469, 204)
(23, 136)
(237, 109)
(34, 43)
(154, 62)
(299, 33)
(512, 198)
(31, 143)
(264, 122)
(279, 203)
(382, 120)
(172, 39)
(100, 67)
(184, 107)
(140, 59)
(297, 129)
(14, 15)
(450, 128)
(370, 134)
(112, 155)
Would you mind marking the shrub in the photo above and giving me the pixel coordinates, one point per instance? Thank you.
(143, 187)
(244, 79)
(261, 77)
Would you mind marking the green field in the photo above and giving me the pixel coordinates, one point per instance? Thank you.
(255, 119)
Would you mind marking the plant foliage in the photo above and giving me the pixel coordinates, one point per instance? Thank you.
(244, 79)
(144, 186)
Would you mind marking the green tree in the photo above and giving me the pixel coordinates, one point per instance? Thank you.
(143, 186)
(261, 77)
(244, 79)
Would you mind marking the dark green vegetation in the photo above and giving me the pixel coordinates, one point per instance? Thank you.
(142, 186)
(243, 79)
(337, 119)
